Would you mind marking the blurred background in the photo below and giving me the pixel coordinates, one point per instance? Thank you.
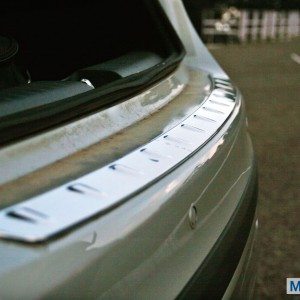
(257, 42)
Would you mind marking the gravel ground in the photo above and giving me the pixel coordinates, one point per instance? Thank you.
(268, 75)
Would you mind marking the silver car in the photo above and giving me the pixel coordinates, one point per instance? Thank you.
(126, 166)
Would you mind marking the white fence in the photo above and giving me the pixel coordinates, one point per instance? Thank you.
(252, 25)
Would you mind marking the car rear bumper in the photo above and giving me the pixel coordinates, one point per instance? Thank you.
(146, 248)
(227, 271)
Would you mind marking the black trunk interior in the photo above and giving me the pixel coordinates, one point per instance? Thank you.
(56, 40)
(106, 51)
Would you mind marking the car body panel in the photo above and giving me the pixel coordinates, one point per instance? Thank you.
(144, 248)
(144, 235)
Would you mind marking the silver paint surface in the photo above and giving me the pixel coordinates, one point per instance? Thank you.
(144, 248)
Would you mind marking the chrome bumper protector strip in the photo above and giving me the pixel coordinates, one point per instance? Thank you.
(41, 217)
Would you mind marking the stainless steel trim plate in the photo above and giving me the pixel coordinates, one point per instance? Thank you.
(41, 217)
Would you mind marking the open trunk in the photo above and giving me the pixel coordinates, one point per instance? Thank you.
(72, 58)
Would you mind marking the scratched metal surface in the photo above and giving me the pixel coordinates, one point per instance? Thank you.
(109, 148)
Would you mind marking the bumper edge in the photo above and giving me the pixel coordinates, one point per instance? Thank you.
(213, 276)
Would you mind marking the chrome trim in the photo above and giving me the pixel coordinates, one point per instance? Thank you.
(51, 213)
